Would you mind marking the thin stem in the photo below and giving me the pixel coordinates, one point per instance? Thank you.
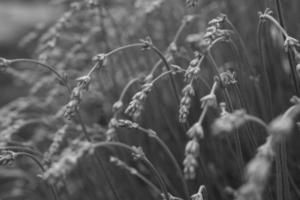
(240, 40)
(276, 23)
(205, 109)
(95, 66)
(21, 149)
(53, 190)
(173, 83)
(175, 40)
(121, 164)
(127, 86)
(265, 73)
(128, 148)
(124, 47)
(160, 179)
(256, 120)
(98, 158)
(148, 182)
(173, 159)
(163, 74)
(60, 77)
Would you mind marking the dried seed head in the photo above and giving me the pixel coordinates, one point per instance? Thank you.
(7, 157)
(290, 42)
(185, 102)
(136, 105)
(138, 152)
(71, 109)
(193, 70)
(110, 134)
(190, 164)
(4, 64)
(147, 43)
(192, 147)
(218, 21)
(118, 105)
(83, 82)
(196, 131)
(209, 100)
(228, 78)
(101, 59)
(126, 124)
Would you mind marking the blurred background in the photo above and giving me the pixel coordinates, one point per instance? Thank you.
(67, 34)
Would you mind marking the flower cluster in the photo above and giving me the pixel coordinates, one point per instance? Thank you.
(202, 42)
(185, 102)
(110, 133)
(192, 150)
(136, 105)
(228, 78)
(123, 165)
(76, 96)
(138, 153)
(126, 124)
(193, 70)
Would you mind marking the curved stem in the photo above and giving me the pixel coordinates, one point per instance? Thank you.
(98, 158)
(275, 22)
(173, 83)
(21, 149)
(242, 43)
(160, 179)
(265, 73)
(148, 182)
(121, 164)
(127, 86)
(53, 190)
(256, 120)
(128, 148)
(124, 47)
(173, 159)
(162, 75)
(60, 77)
(175, 40)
